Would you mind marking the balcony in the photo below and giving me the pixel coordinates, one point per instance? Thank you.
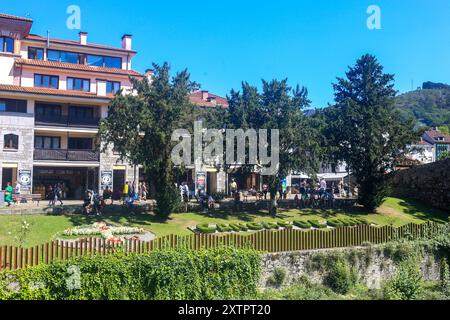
(66, 155)
(66, 121)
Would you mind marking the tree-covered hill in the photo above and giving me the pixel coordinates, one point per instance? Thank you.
(430, 105)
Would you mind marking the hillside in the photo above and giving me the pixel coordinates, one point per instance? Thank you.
(430, 105)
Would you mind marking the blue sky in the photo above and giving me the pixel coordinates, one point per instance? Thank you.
(222, 43)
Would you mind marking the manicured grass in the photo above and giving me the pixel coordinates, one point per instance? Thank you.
(44, 227)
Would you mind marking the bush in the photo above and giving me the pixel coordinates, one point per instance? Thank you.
(224, 228)
(219, 274)
(302, 224)
(277, 278)
(206, 228)
(254, 226)
(335, 223)
(218, 196)
(340, 278)
(243, 226)
(270, 225)
(284, 224)
(318, 224)
(445, 277)
(406, 284)
(235, 227)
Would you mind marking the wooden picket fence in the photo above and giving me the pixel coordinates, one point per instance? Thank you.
(12, 258)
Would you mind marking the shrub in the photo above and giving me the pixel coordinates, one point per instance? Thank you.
(302, 224)
(339, 277)
(335, 223)
(218, 196)
(235, 227)
(254, 226)
(406, 284)
(206, 228)
(318, 224)
(445, 277)
(243, 226)
(224, 227)
(223, 273)
(277, 278)
(270, 225)
(284, 224)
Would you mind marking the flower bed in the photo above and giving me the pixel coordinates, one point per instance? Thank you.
(109, 233)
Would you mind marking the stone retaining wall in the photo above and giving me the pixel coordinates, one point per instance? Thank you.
(428, 183)
(372, 264)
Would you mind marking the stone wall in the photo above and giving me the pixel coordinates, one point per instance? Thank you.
(429, 183)
(372, 263)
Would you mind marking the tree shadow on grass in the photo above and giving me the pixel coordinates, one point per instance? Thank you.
(423, 211)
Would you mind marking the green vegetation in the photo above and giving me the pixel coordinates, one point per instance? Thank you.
(277, 278)
(44, 228)
(406, 284)
(223, 273)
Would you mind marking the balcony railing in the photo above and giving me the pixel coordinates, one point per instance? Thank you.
(66, 155)
(65, 121)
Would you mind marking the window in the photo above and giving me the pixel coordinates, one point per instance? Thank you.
(11, 142)
(107, 62)
(6, 44)
(43, 109)
(41, 142)
(53, 55)
(46, 81)
(10, 105)
(35, 53)
(80, 143)
(112, 87)
(81, 112)
(79, 84)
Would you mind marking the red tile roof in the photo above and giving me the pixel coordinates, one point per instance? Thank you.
(35, 37)
(435, 136)
(211, 100)
(52, 92)
(7, 16)
(79, 67)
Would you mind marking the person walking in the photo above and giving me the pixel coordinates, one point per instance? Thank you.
(126, 188)
(17, 187)
(8, 194)
(233, 187)
(265, 189)
(58, 194)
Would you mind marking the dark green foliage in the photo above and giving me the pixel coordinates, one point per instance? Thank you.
(407, 282)
(335, 223)
(364, 130)
(318, 224)
(302, 224)
(218, 196)
(206, 228)
(255, 226)
(429, 106)
(340, 278)
(224, 228)
(140, 128)
(223, 273)
(270, 225)
(277, 278)
(445, 277)
(284, 224)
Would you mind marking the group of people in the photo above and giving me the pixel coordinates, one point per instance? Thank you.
(10, 191)
(56, 193)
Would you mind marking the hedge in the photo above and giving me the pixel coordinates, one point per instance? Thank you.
(302, 224)
(317, 224)
(219, 274)
(224, 228)
(206, 228)
(254, 226)
(284, 224)
(335, 223)
(270, 225)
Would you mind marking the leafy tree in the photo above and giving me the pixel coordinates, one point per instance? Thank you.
(444, 155)
(278, 106)
(140, 125)
(364, 130)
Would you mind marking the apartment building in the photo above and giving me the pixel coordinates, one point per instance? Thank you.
(52, 95)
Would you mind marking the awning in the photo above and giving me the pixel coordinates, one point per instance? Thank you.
(332, 176)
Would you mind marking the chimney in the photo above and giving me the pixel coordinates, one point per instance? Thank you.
(205, 95)
(126, 41)
(149, 73)
(83, 38)
(213, 100)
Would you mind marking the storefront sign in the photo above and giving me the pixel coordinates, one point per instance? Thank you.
(25, 179)
(106, 180)
(200, 181)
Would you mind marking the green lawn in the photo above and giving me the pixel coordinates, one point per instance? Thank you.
(45, 227)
